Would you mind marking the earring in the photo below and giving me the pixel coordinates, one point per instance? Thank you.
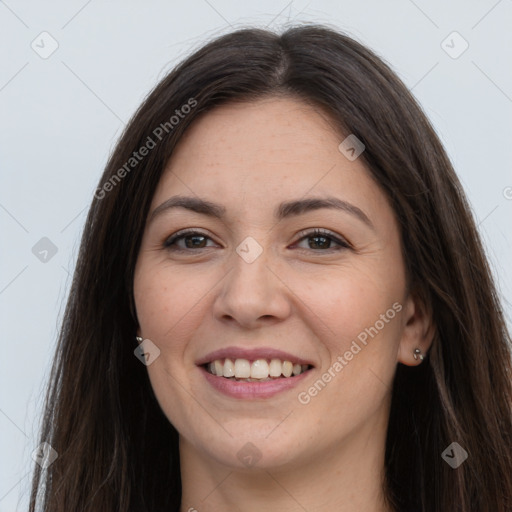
(417, 353)
(139, 339)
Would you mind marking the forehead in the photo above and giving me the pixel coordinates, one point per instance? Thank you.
(270, 138)
(248, 155)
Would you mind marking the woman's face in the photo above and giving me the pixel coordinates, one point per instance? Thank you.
(257, 280)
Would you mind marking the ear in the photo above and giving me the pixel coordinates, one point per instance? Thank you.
(417, 331)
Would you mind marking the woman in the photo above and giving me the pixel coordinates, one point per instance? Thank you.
(281, 302)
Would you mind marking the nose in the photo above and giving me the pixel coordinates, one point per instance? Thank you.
(252, 294)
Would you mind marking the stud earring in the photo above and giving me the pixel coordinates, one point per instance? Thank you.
(139, 339)
(417, 354)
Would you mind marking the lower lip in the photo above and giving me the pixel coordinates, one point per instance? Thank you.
(248, 390)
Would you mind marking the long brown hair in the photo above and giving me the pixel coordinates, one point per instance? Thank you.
(117, 450)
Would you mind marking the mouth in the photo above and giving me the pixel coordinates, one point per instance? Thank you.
(256, 373)
(258, 370)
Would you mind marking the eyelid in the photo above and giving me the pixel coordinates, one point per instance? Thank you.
(339, 240)
(183, 233)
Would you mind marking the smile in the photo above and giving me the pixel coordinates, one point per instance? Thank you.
(259, 370)
(251, 373)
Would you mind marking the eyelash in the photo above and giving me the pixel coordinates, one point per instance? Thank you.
(317, 232)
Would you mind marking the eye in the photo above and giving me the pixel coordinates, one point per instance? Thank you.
(193, 240)
(197, 240)
(323, 239)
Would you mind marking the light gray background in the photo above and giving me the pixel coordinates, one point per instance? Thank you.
(60, 118)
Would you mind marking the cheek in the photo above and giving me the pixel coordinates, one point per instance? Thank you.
(170, 303)
(350, 303)
(155, 311)
(154, 290)
(358, 323)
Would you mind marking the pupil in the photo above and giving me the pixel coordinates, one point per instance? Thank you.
(325, 240)
(192, 245)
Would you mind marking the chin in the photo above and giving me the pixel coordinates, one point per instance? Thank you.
(253, 450)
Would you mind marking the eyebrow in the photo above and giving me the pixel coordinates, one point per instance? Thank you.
(284, 210)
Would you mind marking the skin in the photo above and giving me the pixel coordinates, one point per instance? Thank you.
(310, 300)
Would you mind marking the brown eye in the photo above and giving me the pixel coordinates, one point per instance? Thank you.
(192, 239)
(322, 241)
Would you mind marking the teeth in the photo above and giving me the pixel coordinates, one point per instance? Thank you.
(260, 369)
(219, 368)
(275, 368)
(242, 369)
(228, 369)
(287, 369)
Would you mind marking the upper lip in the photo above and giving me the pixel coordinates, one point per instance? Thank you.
(251, 354)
